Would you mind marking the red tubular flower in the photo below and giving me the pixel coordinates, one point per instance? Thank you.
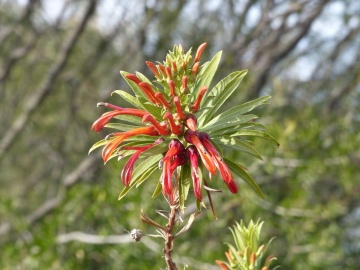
(99, 124)
(219, 162)
(172, 88)
(176, 129)
(195, 107)
(133, 78)
(199, 52)
(153, 68)
(175, 148)
(163, 130)
(169, 168)
(194, 156)
(232, 187)
(149, 92)
(160, 97)
(180, 113)
(192, 137)
(126, 173)
(191, 122)
(121, 136)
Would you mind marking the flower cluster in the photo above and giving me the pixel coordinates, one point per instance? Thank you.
(174, 126)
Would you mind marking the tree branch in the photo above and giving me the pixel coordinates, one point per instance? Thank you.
(39, 94)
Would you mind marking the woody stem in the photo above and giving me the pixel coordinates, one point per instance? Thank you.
(169, 238)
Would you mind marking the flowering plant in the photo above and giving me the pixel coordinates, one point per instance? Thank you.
(248, 253)
(175, 127)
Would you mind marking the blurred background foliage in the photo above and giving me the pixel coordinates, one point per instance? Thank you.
(58, 206)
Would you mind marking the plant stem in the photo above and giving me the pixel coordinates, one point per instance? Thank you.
(169, 238)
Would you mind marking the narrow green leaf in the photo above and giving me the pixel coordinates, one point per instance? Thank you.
(144, 169)
(184, 185)
(239, 145)
(206, 73)
(129, 98)
(120, 126)
(238, 110)
(256, 133)
(134, 120)
(136, 89)
(146, 175)
(99, 144)
(229, 131)
(220, 93)
(153, 110)
(229, 122)
(156, 149)
(245, 176)
(143, 166)
(157, 190)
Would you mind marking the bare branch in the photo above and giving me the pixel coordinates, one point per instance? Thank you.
(45, 88)
(93, 239)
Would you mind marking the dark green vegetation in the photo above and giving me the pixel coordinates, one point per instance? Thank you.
(55, 68)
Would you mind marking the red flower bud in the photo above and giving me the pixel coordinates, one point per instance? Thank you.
(199, 52)
(172, 88)
(133, 78)
(191, 121)
(195, 107)
(179, 110)
(173, 64)
(176, 129)
(153, 68)
(149, 92)
(195, 68)
(163, 130)
(168, 72)
(184, 82)
(163, 70)
(160, 97)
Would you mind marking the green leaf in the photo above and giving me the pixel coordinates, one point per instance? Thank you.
(256, 133)
(142, 167)
(156, 149)
(134, 120)
(157, 190)
(238, 110)
(146, 175)
(153, 110)
(141, 173)
(129, 98)
(229, 122)
(184, 185)
(229, 131)
(120, 126)
(236, 144)
(220, 93)
(99, 144)
(136, 89)
(245, 176)
(206, 73)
